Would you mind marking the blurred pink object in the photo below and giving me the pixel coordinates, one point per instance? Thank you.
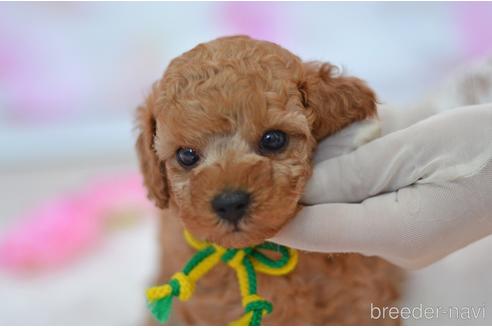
(474, 19)
(64, 227)
(261, 20)
(32, 88)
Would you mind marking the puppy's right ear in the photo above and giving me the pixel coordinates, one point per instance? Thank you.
(153, 170)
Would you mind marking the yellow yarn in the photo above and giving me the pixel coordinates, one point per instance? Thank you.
(243, 321)
(206, 265)
(236, 261)
(193, 242)
(250, 298)
(241, 274)
(291, 264)
(158, 292)
(244, 263)
(246, 318)
(260, 267)
(186, 285)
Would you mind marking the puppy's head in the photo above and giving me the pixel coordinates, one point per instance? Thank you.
(227, 135)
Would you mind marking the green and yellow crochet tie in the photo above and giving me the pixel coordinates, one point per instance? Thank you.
(245, 262)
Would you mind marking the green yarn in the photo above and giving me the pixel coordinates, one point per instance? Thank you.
(197, 258)
(260, 257)
(161, 309)
(259, 305)
(257, 308)
(229, 254)
(251, 275)
(256, 319)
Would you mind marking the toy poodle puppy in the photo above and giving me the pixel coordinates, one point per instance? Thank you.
(225, 144)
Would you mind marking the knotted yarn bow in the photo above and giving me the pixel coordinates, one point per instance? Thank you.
(245, 262)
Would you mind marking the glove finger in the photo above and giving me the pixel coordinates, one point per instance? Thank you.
(445, 146)
(412, 227)
(348, 139)
(360, 227)
(393, 119)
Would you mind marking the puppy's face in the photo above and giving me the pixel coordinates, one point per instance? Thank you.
(236, 153)
(227, 135)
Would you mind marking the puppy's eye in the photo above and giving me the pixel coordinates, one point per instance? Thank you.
(187, 157)
(273, 141)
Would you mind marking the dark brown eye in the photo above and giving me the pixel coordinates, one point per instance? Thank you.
(273, 141)
(187, 157)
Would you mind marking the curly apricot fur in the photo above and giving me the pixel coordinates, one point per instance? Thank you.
(219, 98)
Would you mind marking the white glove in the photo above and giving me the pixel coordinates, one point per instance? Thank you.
(411, 197)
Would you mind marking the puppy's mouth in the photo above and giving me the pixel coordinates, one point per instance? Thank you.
(232, 229)
(231, 226)
(239, 235)
(235, 239)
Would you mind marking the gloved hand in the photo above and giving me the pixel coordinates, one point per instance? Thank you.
(412, 196)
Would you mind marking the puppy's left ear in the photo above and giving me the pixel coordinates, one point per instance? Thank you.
(333, 102)
(153, 170)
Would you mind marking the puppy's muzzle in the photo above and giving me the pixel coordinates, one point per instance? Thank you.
(231, 205)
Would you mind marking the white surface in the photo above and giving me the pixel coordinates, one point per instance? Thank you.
(462, 279)
(104, 286)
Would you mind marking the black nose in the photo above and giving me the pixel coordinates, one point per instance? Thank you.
(231, 205)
